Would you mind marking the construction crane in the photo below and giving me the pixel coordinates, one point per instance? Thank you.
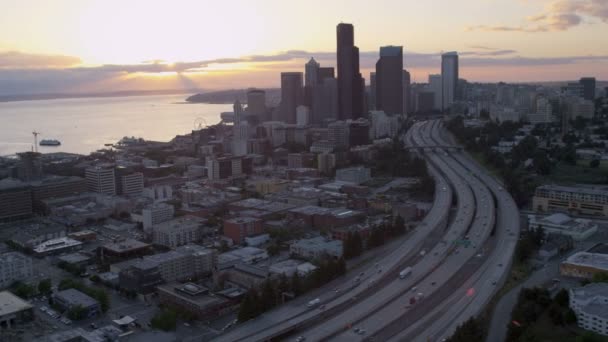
(35, 141)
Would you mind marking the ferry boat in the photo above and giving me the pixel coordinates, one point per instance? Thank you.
(50, 142)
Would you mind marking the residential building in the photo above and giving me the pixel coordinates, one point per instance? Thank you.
(579, 200)
(316, 248)
(449, 79)
(178, 231)
(155, 214)
(579, 229)
(389, 80)
(239, 228)
(131, 184)
(158, 193)
(14, 266)
(72, 298)
(14, 310)
(590, 304)
(101, 179)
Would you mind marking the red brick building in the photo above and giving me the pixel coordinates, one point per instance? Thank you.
(239, 228)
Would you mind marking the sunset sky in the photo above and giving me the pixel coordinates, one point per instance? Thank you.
(107, 45)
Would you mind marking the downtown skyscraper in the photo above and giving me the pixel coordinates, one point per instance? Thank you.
(449, 79)
(389, 80)
(292, 95)
(350, 83)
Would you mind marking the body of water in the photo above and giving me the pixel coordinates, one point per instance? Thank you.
(84, 125)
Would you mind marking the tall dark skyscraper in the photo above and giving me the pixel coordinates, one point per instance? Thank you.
(407, 93)
(449, 79)
(389, 80)
(292, 95)
(588, 84)
(350, 94)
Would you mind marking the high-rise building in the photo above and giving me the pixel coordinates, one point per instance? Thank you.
(588, 84)
(311, 73)
(101, 179)
(350, 89)
(292, 94)
(256, 103)
(407, 92)
(240, 133)
(371, 100)
(325, 101)
(389, 80)
(435, 85)
(325, 72)
(449, 78)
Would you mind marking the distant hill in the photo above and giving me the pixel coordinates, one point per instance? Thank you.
(229, 96)
(51, 96)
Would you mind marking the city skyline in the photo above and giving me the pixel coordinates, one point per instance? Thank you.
(73, 47)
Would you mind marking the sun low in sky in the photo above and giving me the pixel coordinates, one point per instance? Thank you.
(90, 45)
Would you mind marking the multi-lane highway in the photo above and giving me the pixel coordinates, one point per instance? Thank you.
(296, 315)
(452, 277)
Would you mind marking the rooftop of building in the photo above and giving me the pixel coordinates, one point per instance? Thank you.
(125, 245)
(11, 183)
(75, 258)
(309, 210)
(318, 242)
(192, 293)
(594, 260)
(563, 220)
(179, 222)
(252, 270)
(75, 297)
(241, 220)
(578, 189)
(9, 303)
(59, 243)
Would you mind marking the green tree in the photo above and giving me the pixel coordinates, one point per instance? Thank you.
(469, 331)
(595, 163)
(399, 225)
(249, 306)
(76, 313)
(268, 298)
(165, 320)
(45, 286)
(22, 290)
(562, 298)
(600, 277)
(570, 317)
